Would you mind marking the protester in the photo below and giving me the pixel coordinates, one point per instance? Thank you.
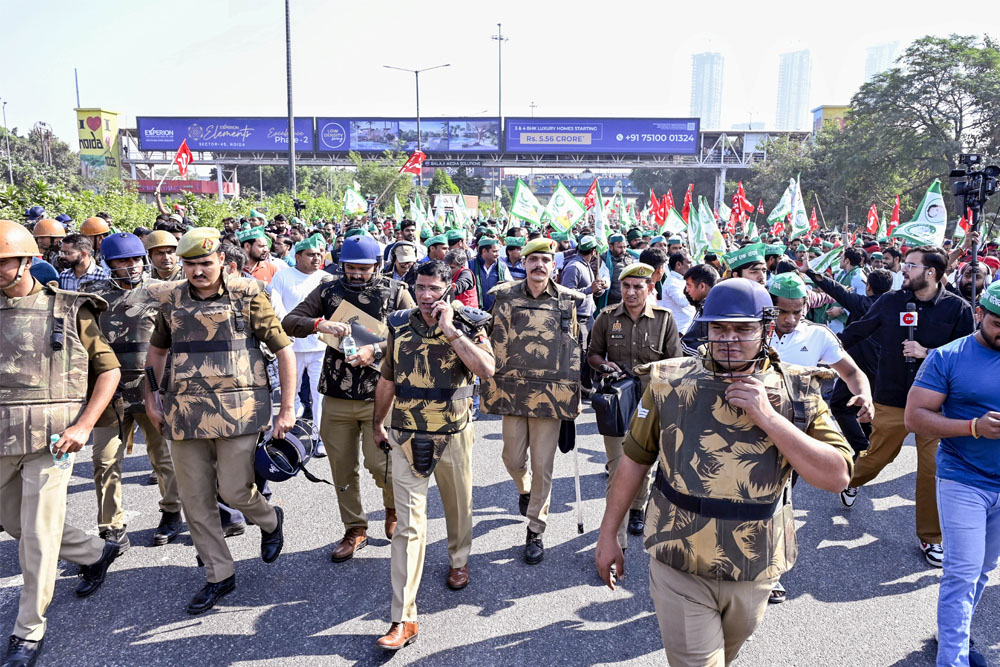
(76, 254)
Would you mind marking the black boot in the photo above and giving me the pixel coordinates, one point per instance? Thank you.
(636, 522)
(170, 527)
(118, 536)
(271, 543)
(533, 549)
(206, 598)
(21, 652)
(522, 503)
(93, 575)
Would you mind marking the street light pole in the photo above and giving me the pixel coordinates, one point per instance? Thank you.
(6, 135)
(291, 118)
(500, 40)
(416, 78)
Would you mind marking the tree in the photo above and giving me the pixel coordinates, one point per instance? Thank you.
(40, 156)
(442, 184)
(467, 183)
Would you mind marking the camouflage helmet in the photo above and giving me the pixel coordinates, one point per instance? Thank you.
(16, 241)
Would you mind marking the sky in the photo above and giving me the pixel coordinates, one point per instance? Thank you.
(583, 58)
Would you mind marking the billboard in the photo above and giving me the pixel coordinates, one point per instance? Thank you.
(677, 136)
(437, 135)
(97, 130)
(219, 135)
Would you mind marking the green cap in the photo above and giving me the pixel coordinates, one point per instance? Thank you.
(990, 300)
(827, 245)
(357, 231)
(801, 248)
(297, 221)
(559, 236)
(657, 239)
(314, 242)
(674, 240)
(435, 240)
(774, 249)
(750, 254)
(425, 233)
(877, 255)
(254, 213)
(616, 238)
(587, 243)
(486, 242)
(788, 286)
(515, 241)
(633, 234)
(249, 235)
(455, 235)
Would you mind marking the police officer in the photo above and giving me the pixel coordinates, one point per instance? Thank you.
(348, 383)
(432, 356)
(216, 400)
(537, 380)
(96, 229)
(42, 329)
(128, 325)
(49, 235)
(720, 528)
(162, 249)
(626, 335)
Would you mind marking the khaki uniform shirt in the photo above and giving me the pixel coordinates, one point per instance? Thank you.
(653, 337)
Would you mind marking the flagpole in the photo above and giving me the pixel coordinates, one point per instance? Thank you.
(823, 217)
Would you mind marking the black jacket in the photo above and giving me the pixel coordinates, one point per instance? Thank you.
(865, 351)
(941, 320)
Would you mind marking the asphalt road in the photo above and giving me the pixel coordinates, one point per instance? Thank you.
(860, 594)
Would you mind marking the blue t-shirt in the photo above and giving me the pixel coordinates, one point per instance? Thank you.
(966, 372)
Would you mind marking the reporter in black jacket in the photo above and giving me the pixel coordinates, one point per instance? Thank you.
(942, 318)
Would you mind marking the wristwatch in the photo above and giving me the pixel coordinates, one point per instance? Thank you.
(378, 354)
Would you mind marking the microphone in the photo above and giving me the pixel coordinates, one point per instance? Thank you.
(909, 320)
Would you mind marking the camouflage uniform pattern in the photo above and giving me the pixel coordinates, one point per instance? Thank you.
(217, 385)
(537, 354)
(128, 325)
(709, 449)
(42, 390)
(424, 359)
(339, 379)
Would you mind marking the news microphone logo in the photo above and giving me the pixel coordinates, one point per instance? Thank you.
(909, 320)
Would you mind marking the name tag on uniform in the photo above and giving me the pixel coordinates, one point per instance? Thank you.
(616, 336)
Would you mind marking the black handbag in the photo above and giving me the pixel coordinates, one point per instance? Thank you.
(614, 401)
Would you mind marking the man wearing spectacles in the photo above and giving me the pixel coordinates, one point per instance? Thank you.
(941, 317)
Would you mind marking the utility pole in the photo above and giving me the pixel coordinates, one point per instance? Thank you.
(291, 117)
(6, 136)
(532, 105)
(499, 37)
(76, 78)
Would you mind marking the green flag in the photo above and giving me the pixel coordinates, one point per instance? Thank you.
(800, 219)
(674, 224)
(399, 208)
(754, 232)
(354, 204)
(703, 232)
(927, 226)
(418, 216)
(525, 205)
(784, 206)
(828, 260)
(601, 226)
(564, 210)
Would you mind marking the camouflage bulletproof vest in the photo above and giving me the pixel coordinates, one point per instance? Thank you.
(128, 326)
(339, 379)
(217, 384)
(433, 385)
(43, 367)
(714, 455)
(537, 354)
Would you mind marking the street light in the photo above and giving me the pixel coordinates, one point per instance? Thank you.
(6, 134)
(416, 76)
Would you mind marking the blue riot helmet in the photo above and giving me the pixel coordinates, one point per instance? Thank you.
(124, 246)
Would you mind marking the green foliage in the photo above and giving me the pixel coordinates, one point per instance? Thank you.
(382, 175)
(467, 183)
(40, 156)
(442, 184)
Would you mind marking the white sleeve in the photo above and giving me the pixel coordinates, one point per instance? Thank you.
(831, 350)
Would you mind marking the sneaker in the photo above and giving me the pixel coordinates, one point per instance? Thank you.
(848, 496)
(319, 450)
(933, 553)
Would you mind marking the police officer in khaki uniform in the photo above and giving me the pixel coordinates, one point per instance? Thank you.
(625, 335)
(427, 380)
(128, 324)
(727, 430)
(537, 381)
(161, 246)
(43, 329)
(216, 400)
(348, 383)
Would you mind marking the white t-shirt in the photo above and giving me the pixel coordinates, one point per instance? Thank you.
(897, 280)
(288, 289)
(676, 302)
(809, 345)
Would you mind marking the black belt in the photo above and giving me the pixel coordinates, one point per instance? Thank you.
(126, 348)
(717, 508)
(196, 346)
(432, 394)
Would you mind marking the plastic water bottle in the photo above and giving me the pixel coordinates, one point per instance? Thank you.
(348, 345)
(62, 462)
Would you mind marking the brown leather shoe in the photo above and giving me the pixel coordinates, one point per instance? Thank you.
(458, 578)
(354, 539)
(399, 635)
(390, 523)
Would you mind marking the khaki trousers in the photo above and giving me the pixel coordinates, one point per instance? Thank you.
(613, 447)
(540, 437)
(704, 622)
(108, 452)
(221, 466)
(453, 475)
(33, 512)
(343, 423)
(886, 440)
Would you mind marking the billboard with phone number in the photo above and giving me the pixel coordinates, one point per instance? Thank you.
(670, 136)
(437, 135)
(219, 135)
